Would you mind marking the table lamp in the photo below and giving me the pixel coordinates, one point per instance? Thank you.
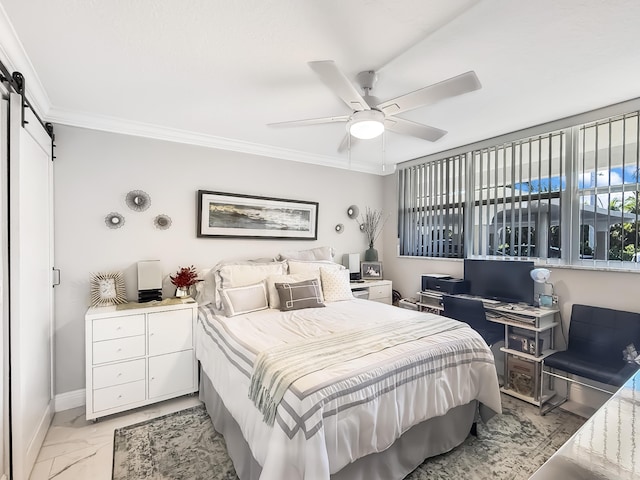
(541, 276)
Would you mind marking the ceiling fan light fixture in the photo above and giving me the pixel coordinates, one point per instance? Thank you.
(366, 124)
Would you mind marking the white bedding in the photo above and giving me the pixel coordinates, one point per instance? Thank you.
(332, 417)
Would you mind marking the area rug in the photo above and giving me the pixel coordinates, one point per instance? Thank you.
(184, 445)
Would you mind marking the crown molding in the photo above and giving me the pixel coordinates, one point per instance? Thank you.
(140, 129)
(15, 58)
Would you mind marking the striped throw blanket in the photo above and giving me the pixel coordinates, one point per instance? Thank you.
(276, 368)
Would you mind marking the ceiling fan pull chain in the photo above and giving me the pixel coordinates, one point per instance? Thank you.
(384, 151)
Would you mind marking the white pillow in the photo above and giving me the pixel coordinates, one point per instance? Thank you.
(205, 289)
(274, 297)
(335, 285)
(312, 268)
(319, 253)
(239, 274)
(249, 298)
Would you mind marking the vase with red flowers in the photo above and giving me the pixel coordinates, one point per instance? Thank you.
(184, 279)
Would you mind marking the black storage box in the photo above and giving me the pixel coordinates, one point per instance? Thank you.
(452, 286)
(429, 280)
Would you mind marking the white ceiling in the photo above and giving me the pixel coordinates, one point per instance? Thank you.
(214, 72)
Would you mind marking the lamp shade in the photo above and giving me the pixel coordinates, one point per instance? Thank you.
(540, 275)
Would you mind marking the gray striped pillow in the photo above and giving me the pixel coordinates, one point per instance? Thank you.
(294, 296)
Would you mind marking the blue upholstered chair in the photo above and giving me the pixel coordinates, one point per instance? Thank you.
(597, 338)
(471, 311)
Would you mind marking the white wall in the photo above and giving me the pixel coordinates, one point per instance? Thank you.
(94, 171)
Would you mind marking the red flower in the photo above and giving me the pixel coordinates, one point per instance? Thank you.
(185, 277)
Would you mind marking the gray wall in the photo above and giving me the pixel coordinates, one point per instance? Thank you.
(94, 171)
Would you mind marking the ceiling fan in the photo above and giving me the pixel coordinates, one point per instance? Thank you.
(370, 116)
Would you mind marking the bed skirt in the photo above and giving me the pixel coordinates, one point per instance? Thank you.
(427, 439)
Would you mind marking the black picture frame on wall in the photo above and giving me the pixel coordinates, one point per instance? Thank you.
(235, 215)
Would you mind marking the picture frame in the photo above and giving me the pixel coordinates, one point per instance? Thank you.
(107, 288)
(371, 270)
(234, 215)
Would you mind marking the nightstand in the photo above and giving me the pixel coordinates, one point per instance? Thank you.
(376, 290)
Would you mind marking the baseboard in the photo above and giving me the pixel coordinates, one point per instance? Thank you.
(69, 400)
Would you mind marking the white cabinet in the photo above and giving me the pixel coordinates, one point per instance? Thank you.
(137, 356)
(376, 290)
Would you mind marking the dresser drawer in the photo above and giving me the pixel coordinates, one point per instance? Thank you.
(112, 397)
(119, 349)
(379, 292)
(170, 331)
(118, 373)
(118, 327)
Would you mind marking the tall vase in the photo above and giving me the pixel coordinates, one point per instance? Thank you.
(371, 254)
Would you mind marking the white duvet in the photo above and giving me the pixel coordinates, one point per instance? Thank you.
(332, 417)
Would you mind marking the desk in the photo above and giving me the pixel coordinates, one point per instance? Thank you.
(528, 339)
(606, 446)
(376, 290)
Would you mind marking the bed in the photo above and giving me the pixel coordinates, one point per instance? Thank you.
(374, 390)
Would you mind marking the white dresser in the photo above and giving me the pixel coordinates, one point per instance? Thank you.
(137, 356)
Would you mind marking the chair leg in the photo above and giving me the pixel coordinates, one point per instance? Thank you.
(550, 406)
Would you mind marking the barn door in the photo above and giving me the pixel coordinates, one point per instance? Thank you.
(31, 292)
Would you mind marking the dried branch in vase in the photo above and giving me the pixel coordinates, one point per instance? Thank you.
(372, 222)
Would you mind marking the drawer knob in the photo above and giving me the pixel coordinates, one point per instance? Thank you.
(119, 350)
(119, 396)
(119, 374)
(119, 327)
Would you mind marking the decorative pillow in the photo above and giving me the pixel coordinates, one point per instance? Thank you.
(205, 289)
(274, 297)
(319, 253)
(312, 268)
(239, 274)
(245, 299)
(294, 296)
(335, 284)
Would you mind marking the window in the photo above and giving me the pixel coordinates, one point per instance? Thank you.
(432, 208)
(564, 196)
(608, 166)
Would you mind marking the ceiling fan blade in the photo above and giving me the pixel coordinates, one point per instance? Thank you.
(339, 84)
(347, 143)
(464, 83)
(406, 127)
(310, 121)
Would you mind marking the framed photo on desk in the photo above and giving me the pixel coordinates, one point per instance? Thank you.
(371, 270)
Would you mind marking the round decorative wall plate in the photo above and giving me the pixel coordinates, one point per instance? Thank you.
(339, 228)
(353, 211)
(162, 222)
(137, 200)
(114, 220)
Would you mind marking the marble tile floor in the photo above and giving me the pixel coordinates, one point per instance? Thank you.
(77, 449)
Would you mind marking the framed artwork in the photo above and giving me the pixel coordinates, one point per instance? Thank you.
(371, 270)
(235, 215)
(107, 289)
